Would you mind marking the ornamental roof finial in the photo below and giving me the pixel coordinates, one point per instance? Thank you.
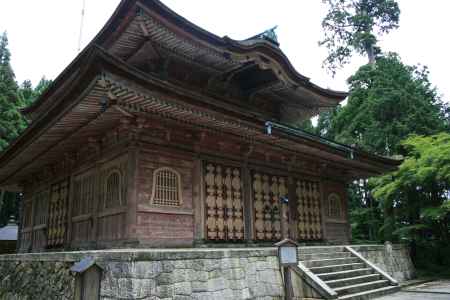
(268, 35)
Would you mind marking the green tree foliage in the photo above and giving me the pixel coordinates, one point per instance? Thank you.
(388, 101)
(306, 125)
(11, 120)
(29, 94)
(419, 190)
(353, 25)
(418, 194)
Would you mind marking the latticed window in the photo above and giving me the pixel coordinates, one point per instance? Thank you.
(113, 188)
(166, 187)
(334, 206)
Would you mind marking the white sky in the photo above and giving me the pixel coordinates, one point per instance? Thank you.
(43, 35)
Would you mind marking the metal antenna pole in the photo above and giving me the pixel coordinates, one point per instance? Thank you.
(81, 25)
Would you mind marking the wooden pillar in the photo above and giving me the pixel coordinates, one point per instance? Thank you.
(323, 207)
(293, 213)
(20, 199)
(132, 201)
(68, 242)
(198, 201)
(33, 211)
(248, 203)
(96, 208)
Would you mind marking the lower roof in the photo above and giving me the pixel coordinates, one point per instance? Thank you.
(78, 114)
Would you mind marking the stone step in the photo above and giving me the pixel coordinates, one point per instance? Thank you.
(337, 268)
(318, 256)
(345, 274)
(371, 294)
(361, 287)
(352, 280)
(330, 262)
(320, 249)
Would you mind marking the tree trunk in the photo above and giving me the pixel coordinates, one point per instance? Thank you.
(370, 53)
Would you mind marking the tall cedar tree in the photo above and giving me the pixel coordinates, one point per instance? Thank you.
(12, 123)
(11, 120)
(389, 101)
(353, 25)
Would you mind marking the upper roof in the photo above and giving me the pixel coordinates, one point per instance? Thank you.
(147, 30)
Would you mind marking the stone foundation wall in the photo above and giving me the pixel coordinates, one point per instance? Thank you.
(393, 259)
(149, 274)
(29, 280)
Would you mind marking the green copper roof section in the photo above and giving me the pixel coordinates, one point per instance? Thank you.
(304, 134)
(268, 35)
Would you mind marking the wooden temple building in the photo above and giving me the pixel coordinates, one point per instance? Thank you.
(162, 134)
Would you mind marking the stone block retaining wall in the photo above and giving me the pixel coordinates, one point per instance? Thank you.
(149, 274)
(393, 259)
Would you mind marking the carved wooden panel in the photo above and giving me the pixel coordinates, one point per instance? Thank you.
(224, 204)
(57, 216)
(309, 213)
(267, 191)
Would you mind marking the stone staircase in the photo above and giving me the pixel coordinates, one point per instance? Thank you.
(346, 272)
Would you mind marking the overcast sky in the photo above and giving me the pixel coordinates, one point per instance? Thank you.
(44, 34)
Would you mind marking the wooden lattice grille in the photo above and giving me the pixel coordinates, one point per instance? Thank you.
(28, 217)
(113, 188)
(334, 206)
(308, 207)
(27, 231)
(267, 191)
(83, 194)
(41, 208)
(57, 216)
(113, 182)
(224, 205)
(167, 188)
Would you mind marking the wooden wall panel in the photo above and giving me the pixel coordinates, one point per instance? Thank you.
(336, 218)
(111, 227)
(84, 193)
(159, 224)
